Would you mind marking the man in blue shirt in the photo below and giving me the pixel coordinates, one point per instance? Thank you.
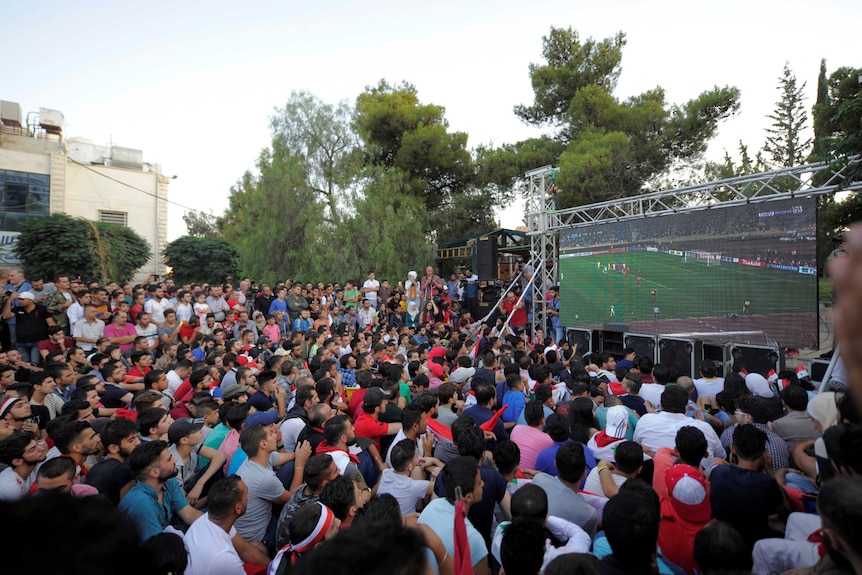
(157, 496)
(486, 396)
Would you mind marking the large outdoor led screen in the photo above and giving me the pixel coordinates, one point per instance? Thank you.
(745, 270)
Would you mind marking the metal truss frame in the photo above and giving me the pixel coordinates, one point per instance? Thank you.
(545, 222)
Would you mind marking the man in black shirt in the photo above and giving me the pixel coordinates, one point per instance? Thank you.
(32, 321)
(112, 476)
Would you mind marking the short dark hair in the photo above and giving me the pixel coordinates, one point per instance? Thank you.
(223, 495)
(840, 506)
(507, 456)
(691, 445)
(460, 425)
(339, 495)
(674, 400)
(251, 437)
(571, 461)
(795, 397)
(557, 427)
(149, 419)
(530, 502)
(459, 472)
(631, 527)
(534, 412)
(748, 441)
(402, 454)
(57, 467)
(754, 407)
(523, 547)
(144, 456)
(719, 549)
(304, 393)
(471, 442)
(316, 470)
(334, 428)
(629, 456)
(116, 431)
(411, 415)
(483, 390)
(69, 433)
(708, 368)
(13, 447)
(446, 391)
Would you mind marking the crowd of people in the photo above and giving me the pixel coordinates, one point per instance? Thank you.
(365, 427)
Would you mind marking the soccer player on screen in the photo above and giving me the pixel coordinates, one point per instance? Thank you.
(653, 293)
(746, 307)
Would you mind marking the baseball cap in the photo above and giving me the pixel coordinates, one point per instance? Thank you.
(462, 374)
(264, 417)
(27, 295)
(7, 405)
(617, 421)
(182, 428)
(436, 369)
(374, 396)
(689, 493)
(234, 390)
(281, 351)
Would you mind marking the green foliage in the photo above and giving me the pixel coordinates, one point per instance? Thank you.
(784, 145)
(273, 218)
(95, 250)
(200, 259)
(571, 66)
(606, 148)
(322, 137)
(401, 133)
(384, 234)
(201, 224)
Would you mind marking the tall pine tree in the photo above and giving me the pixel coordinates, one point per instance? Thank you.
(784, 146)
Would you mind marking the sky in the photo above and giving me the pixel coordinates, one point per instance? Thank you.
(193, 84)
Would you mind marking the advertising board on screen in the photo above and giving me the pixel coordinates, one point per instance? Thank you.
(740, 269)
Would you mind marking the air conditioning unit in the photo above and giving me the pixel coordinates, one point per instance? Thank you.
(10, 113)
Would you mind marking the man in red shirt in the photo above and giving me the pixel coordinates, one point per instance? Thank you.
(57, 342)
(368, 422)
(519, 318)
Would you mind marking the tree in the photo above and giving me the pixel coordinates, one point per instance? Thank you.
(402, 134)
(201, 224)
(784, 145)
(61, 244)
(606, 148)
(322, 137)
(200, 259)
(273, 218)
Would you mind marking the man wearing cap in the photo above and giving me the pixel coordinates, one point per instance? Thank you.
(22, 453)
(32, 321)
(603, 443)
(236, 393)
(368, 422)
(685, 510)
(156, 497)
(186, 439)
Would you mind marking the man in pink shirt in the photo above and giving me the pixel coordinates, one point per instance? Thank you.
(530, 438)
(120, 332)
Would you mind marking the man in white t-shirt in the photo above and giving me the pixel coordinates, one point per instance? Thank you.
(22, 454)
(157, 304)
(709, 385)
(370, 288)
(212, 542)
(397, 480)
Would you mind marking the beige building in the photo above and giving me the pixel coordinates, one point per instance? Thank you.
(42, 172)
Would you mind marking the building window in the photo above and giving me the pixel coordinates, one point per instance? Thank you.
(121, 218)
(22, 196)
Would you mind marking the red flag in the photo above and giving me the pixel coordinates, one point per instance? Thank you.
(492, 423)
(463, 561)
(440, 431)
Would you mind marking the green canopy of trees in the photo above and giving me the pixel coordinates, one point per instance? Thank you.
(605, 147)
(197, 259)
(61, 244)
